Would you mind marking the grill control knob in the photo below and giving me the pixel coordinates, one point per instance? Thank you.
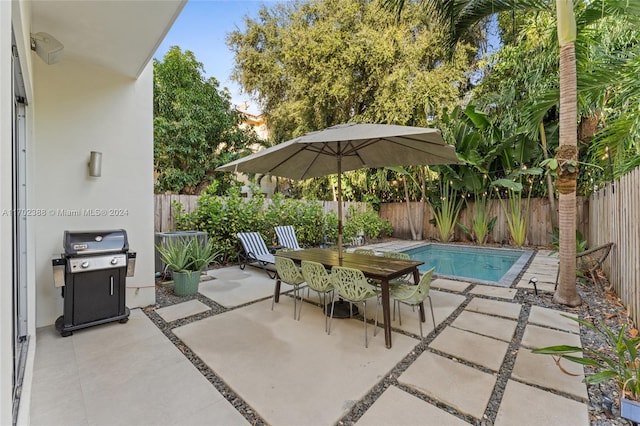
(84, 265)
(114, 261)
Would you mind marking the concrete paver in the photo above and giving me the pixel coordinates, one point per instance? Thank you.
(464, 388)
(233, 286)
(542, 370)
(291, 371)
(471, 347)
(132, 374)
(526, 405)
(399, 408)
(498, 328)
(182, 310)
(553, 318)
(540, 337)
(492, 291)
(122, 374)
(494, 307)
(451, 285)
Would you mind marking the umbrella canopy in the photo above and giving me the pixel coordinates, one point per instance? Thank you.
(348, 147)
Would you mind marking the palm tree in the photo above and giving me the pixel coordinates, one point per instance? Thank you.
(567, 155)
(457, 17)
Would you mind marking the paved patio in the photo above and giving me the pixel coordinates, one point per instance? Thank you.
(292, 373)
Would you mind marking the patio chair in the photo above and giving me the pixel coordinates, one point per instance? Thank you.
(367, 252)
(590, 261)
(287, 237)
(352, 286)
(255, 250)
(406, 279)
(288, 273)
(413, 295)
(318, 280)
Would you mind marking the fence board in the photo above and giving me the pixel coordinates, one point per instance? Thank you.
(614, 216)
(538, 229)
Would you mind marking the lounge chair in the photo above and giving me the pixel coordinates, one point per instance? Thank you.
(255, 251)
(287, 237)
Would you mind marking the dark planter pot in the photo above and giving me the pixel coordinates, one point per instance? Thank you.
(630, 409)
(186, 283)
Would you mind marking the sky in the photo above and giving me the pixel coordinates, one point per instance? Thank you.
(202, 28)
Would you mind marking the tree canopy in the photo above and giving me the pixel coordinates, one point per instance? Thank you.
(196, 129)
(319, 63)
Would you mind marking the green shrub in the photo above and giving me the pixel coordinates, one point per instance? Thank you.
(368, 221)
(223, 217)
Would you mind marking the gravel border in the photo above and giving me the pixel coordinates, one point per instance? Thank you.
(601, 308)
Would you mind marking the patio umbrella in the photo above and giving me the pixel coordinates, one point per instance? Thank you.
(348, 147)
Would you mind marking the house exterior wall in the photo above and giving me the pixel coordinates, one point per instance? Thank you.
(81, 108)
(6, 311)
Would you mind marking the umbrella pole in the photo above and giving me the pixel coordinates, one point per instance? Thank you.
(339, 205)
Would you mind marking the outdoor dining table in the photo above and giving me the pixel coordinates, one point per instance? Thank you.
(378, 268)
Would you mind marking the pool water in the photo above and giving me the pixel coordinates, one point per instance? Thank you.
(485, 265)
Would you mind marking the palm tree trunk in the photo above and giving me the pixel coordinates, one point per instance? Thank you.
(567, 155)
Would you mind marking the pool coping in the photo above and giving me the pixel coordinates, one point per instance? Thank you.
(507, 280)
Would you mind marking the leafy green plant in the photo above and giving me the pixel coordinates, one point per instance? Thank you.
(368, 222)
(481, 221)
(446, 211)
(514, 209)
(581, 243)
(619, 362)
(222, 217)
(187, 254)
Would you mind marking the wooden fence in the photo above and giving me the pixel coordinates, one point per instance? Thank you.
(164, 218)
(538, 222)
(614, 216)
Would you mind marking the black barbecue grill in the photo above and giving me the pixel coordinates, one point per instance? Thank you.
(92, 272)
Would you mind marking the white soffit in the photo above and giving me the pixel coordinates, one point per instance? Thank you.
(121, 35)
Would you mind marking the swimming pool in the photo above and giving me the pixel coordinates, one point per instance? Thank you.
(484, 265)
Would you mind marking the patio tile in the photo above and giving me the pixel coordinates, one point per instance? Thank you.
(486, 351)
(553, 318)
(443, 305)
(542, 370)
(233, 286)
(182, 310)
(114, 379)
(399, 408)
(462, 387)
(494, 307)
(492, 291)
(450, 285)
(539, 337)
(271, 360)
(59, 350)
(498, 328)
(541, 285)
(526, 405)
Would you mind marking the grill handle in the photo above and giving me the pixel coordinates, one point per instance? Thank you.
(111, 280)
(59, 268)
(131, 263)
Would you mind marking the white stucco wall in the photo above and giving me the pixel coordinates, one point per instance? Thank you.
(81, 108)
(6, 316)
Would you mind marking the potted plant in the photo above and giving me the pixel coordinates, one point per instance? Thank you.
(621, 364)
(186, 258)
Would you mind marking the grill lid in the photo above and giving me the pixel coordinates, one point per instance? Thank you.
(77, 243)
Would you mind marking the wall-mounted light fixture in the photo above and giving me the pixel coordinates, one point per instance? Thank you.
(95, 164)
(47, 47)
